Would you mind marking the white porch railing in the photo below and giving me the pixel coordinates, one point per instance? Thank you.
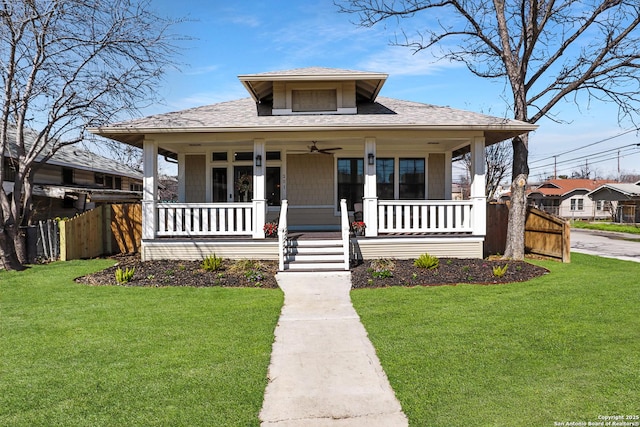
(425, 216)
(204, 219)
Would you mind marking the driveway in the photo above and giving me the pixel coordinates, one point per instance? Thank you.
(606, 244)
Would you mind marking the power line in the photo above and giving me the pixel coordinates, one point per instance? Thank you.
(586, 146)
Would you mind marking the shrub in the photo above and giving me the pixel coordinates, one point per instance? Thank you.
(124, 276)
(246, 265)
(211, 263)
(382, 268)
(500, 271)
(427, 261)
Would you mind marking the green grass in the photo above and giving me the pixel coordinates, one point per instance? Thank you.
(74, 355)
(621, 228)
(560, 348)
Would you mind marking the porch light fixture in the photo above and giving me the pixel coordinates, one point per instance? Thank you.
(372, 159)
(258, 160)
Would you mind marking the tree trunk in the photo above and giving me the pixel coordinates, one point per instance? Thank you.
(518, 210)
(8, 255)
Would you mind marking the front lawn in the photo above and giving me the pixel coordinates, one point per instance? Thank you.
(606, 226)
(560, 348)
(76, 355)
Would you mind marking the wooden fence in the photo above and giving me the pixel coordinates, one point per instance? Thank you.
(545, 234)
(101, 231)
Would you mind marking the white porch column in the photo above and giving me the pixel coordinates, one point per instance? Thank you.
(182, 191)
(259, 188)
(477, 196)
(370, 199)
(448, 175)
(150, 188)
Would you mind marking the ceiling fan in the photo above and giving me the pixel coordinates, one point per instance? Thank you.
(314, 149)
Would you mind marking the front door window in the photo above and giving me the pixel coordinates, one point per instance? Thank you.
(243, 183)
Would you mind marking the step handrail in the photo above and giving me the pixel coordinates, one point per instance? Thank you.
(282, 234)
(346, 238)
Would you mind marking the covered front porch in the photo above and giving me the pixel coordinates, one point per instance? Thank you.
(229, 191)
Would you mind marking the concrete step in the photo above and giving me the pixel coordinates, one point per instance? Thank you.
(315, 257)
(315, 243)
(314, 266)
(318, 250)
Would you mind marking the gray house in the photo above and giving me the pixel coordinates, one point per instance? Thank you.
(75, 180)
(624, 199)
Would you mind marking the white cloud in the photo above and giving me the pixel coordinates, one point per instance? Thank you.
(401, 61)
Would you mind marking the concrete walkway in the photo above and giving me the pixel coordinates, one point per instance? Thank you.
(324, 370)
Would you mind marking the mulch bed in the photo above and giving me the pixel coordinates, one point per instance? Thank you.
(404, 273)
(451, 271)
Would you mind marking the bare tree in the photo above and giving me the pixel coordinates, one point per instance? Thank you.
(497, 161)
(67, 66)
(545, 51)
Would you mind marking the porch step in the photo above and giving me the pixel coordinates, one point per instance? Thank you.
(315, 255)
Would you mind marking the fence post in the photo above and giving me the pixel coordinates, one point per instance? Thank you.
(63, 241)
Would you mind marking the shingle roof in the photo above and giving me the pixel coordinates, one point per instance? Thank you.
(244, 115)
(561, 187)
(624, 189)
(75, 157)
(314, 72)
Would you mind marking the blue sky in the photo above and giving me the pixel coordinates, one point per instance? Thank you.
(232, 38)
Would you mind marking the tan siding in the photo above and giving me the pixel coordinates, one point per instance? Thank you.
(197, 250)
(195, 186)
(310, 179)
(407, 248)
(436, 179)
(348, 95)
(279, 95)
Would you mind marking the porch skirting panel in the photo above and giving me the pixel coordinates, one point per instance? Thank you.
(410, 247)
(195, 250)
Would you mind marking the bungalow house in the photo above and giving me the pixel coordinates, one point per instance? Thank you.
(624, 199)
(567, 198)
(310, 148)
(75, 180)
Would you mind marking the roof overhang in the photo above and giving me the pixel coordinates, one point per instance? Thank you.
(135, 136)
(260, 86)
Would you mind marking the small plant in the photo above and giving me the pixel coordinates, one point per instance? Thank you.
(255, 277)
(270, 229)
(427, 261)
(124, 276)
(181, 267)
(151, 277)
(245, 265)
(358, 227)
(500, 271)
(382, 268)
(211, 263)
(466, 268)
(414, 276)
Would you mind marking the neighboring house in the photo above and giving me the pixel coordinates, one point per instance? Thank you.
(624, 199)
(567, 198)
(304, 141)
(76, 180)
